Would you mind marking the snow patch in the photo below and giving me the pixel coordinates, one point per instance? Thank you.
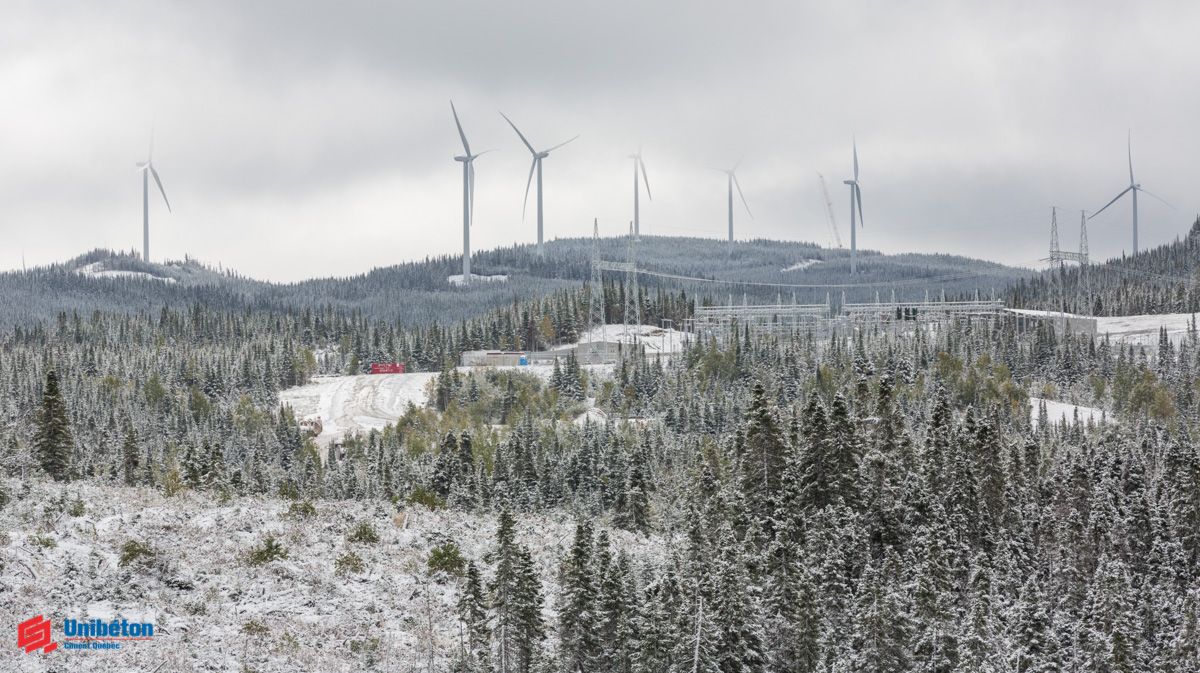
(97, 270)
(1061, 412)
(801, 265)
(362, 403)
(457, 279)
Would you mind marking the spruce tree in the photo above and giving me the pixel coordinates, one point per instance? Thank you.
(129, 454)
(577, 619)
(764, 457)
(193, 466)
(472, 610)
(52, 441)
(516, 601)
(633, 501)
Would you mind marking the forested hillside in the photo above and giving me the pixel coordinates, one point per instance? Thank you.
(877, 501)
(418, 293)
(1160, 280)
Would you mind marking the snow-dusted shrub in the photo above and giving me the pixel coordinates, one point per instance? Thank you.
(447, 558)
(135, 552)
(254, 628)
(349, 563)
(43, 541)
(76, 507)
(270, 550)
(425, 496)
(301, 510)
(363, 533)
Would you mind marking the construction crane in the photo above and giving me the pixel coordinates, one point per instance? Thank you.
(829, 211)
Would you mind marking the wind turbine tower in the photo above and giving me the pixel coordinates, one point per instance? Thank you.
(638, 166)
(468, 162)
(146, 168)
(855, 198)
(537, 165)
(731, 175)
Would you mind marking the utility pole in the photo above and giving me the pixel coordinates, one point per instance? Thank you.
(596, 302)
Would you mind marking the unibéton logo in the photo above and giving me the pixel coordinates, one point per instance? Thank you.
(98, 634)
(95, 634)
(35, 633)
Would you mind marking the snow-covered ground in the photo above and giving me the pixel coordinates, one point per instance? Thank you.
(655, 339)
(802, 265)
(361, 403)
(1139, 330)
(1059, 412)
(213, 611)
(457, 279)
(349, 404)
(97, 270)
(1143, 329)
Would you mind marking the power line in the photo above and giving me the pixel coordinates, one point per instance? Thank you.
(892, 283)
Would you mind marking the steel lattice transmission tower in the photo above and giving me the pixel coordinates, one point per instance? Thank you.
(596, 303)
(596, 323)
(1058, 257)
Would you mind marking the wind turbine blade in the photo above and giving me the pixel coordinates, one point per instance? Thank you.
(645, 179)
(527, 184)
(855, 160)
(557, 146)
(522, 137)
(1111, 202)
(473, 157)
(1129, 150)
(460, 131)
(858, 200)
(471, 192)
(1157, 197)
(739, 188)
(160, 187)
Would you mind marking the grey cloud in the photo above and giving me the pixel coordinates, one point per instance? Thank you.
(279, 123)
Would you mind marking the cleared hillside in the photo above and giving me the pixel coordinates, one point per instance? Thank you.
(421, 292)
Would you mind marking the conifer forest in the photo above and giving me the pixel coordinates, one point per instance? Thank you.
(883, 500)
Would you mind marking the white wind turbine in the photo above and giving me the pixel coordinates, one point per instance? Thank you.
(638, 166)
(1135, 188)
(468, 162)
(731, 174)
(537, 164)
(146, 168)
(855, 198)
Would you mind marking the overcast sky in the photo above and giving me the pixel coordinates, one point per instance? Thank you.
(299, 139)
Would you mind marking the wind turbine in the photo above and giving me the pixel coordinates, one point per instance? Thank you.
(638, 166)
(731, 174)
(468, 162)
(855, 198)
(1133, 187)
(146, 168)
(537, 164)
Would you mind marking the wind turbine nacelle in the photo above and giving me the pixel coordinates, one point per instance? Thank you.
(848, 182)
(460, 158)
